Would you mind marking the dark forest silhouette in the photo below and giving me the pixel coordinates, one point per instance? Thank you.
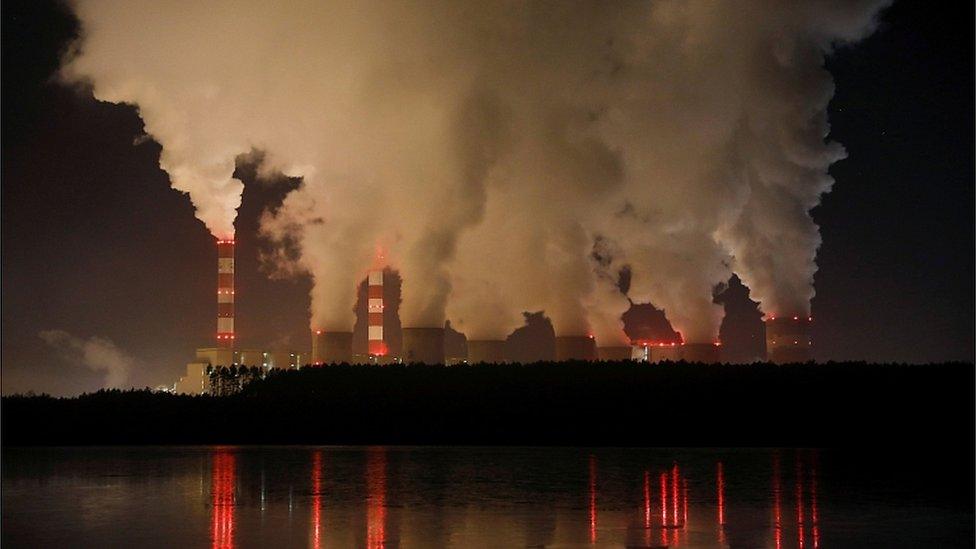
(604, 403)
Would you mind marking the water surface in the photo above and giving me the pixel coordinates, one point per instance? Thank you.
(226, 497)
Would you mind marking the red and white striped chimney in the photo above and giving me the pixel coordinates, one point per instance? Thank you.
(374, 306)
(225, 294)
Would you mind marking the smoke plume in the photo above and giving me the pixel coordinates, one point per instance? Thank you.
(508, 156)
(95, 353)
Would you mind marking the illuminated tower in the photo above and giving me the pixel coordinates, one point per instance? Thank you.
(225, 294)
(374, 307)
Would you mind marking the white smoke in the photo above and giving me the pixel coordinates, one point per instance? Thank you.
(490, 146)
(95, 353)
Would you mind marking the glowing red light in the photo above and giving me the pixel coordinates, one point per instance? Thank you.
(796, 318)
(721, 495)
(376, 508)
(592, 499)
(222, 488)
(316, 533)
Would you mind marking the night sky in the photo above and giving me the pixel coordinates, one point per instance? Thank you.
(96, 243)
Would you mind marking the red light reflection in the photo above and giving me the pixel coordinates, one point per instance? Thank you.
(813, 504)
(592, 499)
(799, 502)
(316, 526)
(376, 498)
(777, 510)
(222, 492)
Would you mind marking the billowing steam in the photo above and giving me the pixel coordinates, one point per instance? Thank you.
(509, 156)
(95, 353)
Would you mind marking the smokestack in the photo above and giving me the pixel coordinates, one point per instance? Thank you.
(617, 352)
(425, 345)
(225, 294)
(575, 348)
(486, 350)
(374, 307)
(788, 339)
(331, 347)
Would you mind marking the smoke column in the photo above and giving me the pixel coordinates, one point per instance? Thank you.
(491, 148)
(95, 353)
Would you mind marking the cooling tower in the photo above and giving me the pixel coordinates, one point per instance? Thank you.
(788, 339)
(486, 350)
(705, 353)
(225, 294)
(331, 347)
(615, 353)
(424, 345)
(575, 348)
(377, 345)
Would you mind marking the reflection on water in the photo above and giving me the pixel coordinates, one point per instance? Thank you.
(469, 497)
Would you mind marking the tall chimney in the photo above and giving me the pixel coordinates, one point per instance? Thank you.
(225, 294)
(374, 307)
(788, 339)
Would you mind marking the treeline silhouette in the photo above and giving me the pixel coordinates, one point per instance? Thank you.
(610, 403)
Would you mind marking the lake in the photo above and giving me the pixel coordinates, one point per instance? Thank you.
(226, 497)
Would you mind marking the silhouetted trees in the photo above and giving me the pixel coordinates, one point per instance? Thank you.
(609, 403)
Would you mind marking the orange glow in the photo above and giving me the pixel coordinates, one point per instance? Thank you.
(777, 511)
(721, 495)
(316, 526)
(222, 492)
(592, 499)
(799, 502)
(376, 498)
(674, 494)
(647, 499)
(378, 348)
(813, 504)
(664, 508)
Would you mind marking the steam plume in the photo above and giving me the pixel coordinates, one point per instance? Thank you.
(95, 353)
(489, 147)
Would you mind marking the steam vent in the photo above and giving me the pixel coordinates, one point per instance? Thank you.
(575, 348)
(486, 350)
(424, 345)
(788, 339)
(331, 347)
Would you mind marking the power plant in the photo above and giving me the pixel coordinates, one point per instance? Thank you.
(787, 340)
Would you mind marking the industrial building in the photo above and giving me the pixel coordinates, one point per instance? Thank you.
(787, 340)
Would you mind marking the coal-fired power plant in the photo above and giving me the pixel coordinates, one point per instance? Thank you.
(788, 339)
(225, 294)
